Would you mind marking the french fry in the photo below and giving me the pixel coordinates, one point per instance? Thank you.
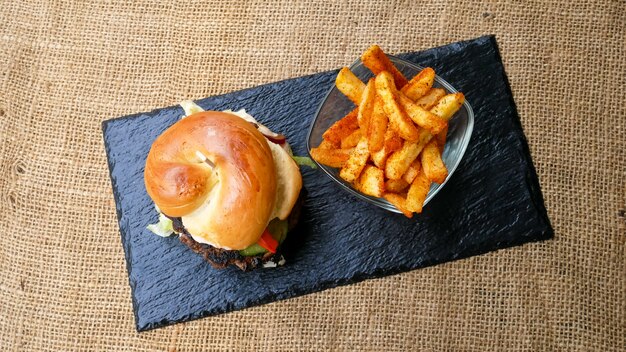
(400, 160)
(398, 119)
(350, 85)
(331, 157)
(342, 128)
(419, 85)
(432, 165)
(377, 127)
(375, 59)
(356, 162)
(392, 143)
(448, 105)
(431, 98)
(399, 202)
(325, 145)
(441, 139)
(379, 158)
(424, 136)
(366, 105)
(417, 193)
(371, 181)
(396, 186)
(421, 117)
(351, 140)
(412, 171)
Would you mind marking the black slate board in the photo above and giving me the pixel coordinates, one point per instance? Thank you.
(492, 201)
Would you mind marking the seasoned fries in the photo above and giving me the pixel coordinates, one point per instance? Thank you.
(356, 162)
(423, 139)
(412, 171)
(351, 140)
(417, 193)
(350, 85)
(377, 127)
(433, 166)
(448, 105)
(431, 98)
(399, 161)
(331, 157)
(375, 59)
(392, 141)
(325, 145)
(371, 181)
(396, 186)
(399, 202)
(391, 145)
(380, 157)
(366, 105)
(419, 85)
(342, 128)
(398, 119)
(441, 139)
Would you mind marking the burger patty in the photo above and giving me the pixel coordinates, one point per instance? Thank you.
(222, 258)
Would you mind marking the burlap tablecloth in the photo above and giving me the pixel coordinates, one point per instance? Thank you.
(66, 66)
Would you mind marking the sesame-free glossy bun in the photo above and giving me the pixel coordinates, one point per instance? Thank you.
(228, 206)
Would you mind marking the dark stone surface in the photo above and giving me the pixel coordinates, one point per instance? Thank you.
(492, 201)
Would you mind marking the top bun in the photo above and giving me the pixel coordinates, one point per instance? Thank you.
(228, 206)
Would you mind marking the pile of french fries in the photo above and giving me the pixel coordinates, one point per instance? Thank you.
(390, 145)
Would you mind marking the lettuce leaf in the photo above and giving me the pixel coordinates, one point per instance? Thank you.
(304, 161)
(163, 228)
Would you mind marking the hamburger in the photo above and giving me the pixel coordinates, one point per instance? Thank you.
(226, 185)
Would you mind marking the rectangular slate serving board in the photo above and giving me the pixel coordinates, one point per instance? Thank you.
(492, 201)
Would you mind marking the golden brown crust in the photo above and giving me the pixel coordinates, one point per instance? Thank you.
(229, 206)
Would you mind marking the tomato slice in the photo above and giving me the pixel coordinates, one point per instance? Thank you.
(268, 242)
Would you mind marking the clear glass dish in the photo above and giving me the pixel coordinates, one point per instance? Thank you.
(335, 105)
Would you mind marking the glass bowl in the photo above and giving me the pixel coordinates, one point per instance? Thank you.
(335, 106)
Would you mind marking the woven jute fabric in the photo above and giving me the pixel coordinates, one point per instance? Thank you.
(67, 65)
